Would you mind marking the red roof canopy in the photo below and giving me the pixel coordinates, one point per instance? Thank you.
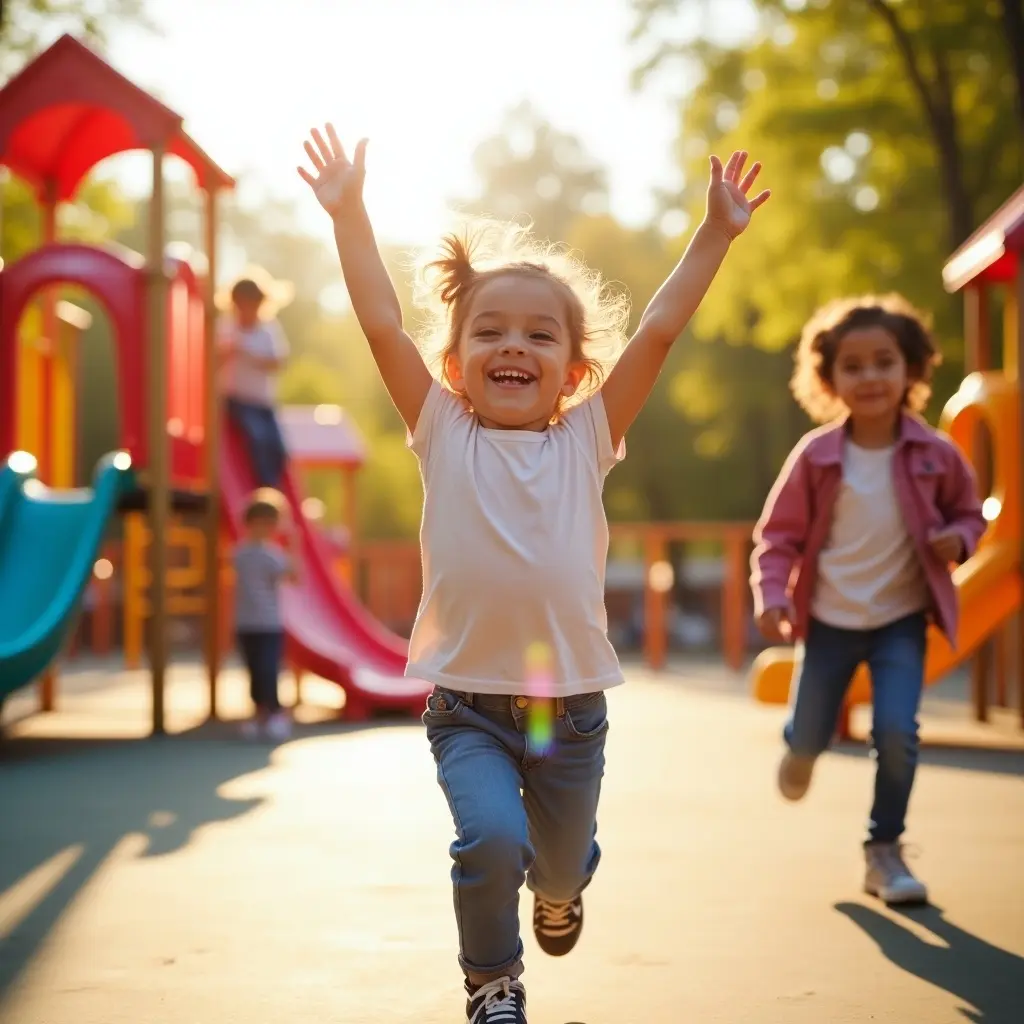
(69, 109)
(321, 435)
(992, 254)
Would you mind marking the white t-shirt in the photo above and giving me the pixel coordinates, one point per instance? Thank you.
(238, 378)
(514, 543)
(869, 573)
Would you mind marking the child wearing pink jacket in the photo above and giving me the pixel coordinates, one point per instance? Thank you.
(854, 549)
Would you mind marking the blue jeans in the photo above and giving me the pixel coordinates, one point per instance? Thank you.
(261, 653)
(520, 814)
(263, 440)
(895, 656)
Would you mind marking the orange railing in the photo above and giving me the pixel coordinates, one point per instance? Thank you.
(387, 577)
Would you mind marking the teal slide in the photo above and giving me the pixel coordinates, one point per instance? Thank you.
(49, 541)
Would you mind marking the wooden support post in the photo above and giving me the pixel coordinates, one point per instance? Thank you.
(159, 470)
(1011, 332)
(734, 603)
(212, 583)
(48, 680)
(978, 356)
(351, 510)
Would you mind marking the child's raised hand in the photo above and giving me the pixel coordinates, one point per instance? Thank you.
(776, 625)
(338, 181)
(728, 205)
(947, 544)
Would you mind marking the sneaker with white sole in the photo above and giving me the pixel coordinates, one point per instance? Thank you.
(279, 727)
(888, 877)
(502, 1001)
(557, 926)
(794, 776)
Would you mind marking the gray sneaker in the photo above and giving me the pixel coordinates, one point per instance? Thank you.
(888, 876)
(795, 775)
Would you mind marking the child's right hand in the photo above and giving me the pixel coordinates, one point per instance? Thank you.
(338, 181)
(776, 625)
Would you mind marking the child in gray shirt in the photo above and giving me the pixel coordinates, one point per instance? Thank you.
(261, 566)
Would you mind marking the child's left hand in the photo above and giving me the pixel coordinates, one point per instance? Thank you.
(947, 544)
(728, 206)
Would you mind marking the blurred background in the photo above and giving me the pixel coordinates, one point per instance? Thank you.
(889, 129)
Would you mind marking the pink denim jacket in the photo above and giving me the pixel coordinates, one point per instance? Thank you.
(935, 488)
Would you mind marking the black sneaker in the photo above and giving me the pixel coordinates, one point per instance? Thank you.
(502, 1001)
(557, 926)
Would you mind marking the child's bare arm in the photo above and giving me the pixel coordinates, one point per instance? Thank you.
(338, 186)
(728, 213)
(293, 555)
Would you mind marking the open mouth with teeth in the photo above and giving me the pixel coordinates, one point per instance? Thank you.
(509, 377)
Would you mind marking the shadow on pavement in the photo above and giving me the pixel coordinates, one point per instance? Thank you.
(970, 759)
(83, 797)
(988, 979)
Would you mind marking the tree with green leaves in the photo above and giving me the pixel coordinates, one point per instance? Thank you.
(529, 170)
(891, 129)
(27, 26)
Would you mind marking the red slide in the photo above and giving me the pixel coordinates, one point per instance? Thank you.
(329, 633)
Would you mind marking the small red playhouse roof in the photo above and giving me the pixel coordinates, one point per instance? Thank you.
(992, 254)
(68, 109)
(321, 435)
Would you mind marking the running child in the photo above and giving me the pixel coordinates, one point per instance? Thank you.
(854, 550)
(514, 436)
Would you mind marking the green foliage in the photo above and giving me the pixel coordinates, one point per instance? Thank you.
(529, 170)
(851, 133)
(27, 26)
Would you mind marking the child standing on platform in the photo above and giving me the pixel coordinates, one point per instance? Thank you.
(514, 441)
(853, 553)
(252, 351)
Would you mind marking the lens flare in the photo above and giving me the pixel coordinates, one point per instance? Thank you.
(540, 684)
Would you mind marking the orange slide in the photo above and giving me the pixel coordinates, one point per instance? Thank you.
(328, 632)
(989, 583)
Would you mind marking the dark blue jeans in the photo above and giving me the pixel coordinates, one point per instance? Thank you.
(895, 656)
(262, 434)
(521, 814)
(261, 653)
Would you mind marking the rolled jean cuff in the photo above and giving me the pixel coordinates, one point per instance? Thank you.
(512, 968)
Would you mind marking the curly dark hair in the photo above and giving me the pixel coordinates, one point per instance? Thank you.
(811, 382)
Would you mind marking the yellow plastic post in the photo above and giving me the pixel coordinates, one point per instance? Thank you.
(71, 321)
(133, 551)
(29, 437)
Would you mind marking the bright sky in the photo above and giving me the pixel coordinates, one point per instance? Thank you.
(425, 80)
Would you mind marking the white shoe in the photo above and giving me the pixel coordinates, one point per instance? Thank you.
(279, 727)
(888, 876)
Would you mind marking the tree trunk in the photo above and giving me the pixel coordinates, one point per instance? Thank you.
(937, 100)
(1013, 25)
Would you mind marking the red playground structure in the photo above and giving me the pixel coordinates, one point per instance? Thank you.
(59, 117)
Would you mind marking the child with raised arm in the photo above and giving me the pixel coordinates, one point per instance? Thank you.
(853, 553)
(514, 438)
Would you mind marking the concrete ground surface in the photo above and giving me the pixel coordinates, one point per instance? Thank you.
(196, 879)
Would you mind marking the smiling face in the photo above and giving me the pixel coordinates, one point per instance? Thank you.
(514, 359)
(870, 374)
